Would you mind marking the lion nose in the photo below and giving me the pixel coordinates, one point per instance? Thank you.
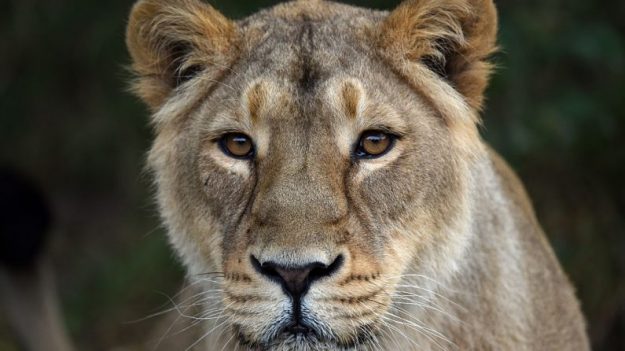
(296, 280)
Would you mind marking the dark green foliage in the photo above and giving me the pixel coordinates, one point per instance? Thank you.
(555, 110)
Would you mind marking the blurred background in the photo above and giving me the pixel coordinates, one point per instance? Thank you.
(555, 110)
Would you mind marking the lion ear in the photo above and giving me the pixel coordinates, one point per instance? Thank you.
(170, 41)
(453, 38)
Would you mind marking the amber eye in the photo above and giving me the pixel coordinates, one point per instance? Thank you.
(374, 143)
(237, 145)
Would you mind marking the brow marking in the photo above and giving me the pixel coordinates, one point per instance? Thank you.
(351, 99)
(256, 99)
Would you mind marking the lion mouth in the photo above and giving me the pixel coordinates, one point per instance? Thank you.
(299, 341)
(295, 333)
(304, 337)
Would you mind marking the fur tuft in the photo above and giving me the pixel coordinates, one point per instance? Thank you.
(454, 36)
(170, 41)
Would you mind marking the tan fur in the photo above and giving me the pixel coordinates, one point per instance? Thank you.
(440, 246)
(461, 34)
(351, 99)
(155, 29)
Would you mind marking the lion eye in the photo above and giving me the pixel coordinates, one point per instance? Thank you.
(374, 143)
(237, 145)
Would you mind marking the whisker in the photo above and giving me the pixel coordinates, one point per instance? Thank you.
(208, 333)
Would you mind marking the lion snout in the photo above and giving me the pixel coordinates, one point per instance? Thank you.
(295, 280)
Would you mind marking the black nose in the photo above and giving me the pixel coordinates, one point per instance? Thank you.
(296, 280)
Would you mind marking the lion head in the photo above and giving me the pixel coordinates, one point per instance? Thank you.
(312, 158)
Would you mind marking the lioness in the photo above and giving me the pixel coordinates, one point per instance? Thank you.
(321, 175)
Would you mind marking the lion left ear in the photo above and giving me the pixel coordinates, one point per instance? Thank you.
(170, 41)
(453, 38)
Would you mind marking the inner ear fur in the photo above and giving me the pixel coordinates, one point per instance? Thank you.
(453, 38)
(170, 41)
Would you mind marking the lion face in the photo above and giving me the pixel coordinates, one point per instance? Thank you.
(313, 234)
(300, 165)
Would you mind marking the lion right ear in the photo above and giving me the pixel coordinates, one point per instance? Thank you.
(170, 41)
(454, 38)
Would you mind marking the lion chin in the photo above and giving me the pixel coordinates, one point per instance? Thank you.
(306, 338)
(310, 341)
(289, 341)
